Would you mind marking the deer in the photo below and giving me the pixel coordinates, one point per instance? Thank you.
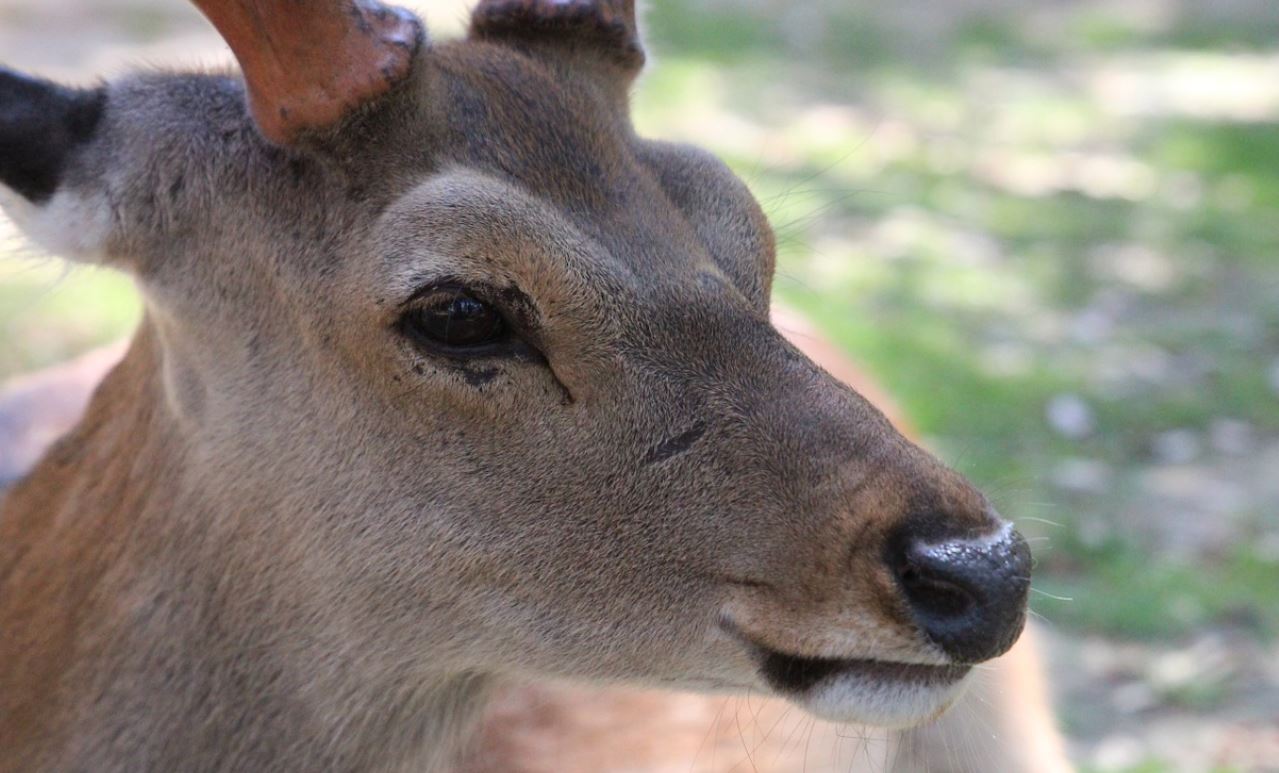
(457, 436)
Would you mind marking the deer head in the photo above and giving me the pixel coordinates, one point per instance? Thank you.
(456, 375)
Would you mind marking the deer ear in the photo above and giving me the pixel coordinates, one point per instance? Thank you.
(44, 129)
(603, 30)
(42, 125)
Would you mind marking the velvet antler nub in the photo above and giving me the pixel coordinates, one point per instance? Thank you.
(308, 64)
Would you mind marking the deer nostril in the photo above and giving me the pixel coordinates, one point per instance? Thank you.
(932, 596)
(967, 594)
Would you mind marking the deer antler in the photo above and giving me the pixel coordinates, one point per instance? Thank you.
(307, 64)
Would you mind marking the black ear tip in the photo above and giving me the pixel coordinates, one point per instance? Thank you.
(41, 124)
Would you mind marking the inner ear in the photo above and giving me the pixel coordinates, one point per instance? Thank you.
(42, 124)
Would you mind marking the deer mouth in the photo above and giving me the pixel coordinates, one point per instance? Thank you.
(791, 674)
(876, 692)
(886, 693)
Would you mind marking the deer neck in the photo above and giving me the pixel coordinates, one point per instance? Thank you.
(149, 624)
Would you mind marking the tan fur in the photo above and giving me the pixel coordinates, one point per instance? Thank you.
(290, 533)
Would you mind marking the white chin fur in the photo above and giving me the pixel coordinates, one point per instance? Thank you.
(868, 701)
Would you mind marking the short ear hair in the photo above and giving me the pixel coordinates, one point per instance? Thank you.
(592, 32)
(42, 126)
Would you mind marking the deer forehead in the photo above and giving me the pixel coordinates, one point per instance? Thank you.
(471, 227)
(558, 132)
(567, 158)
(497, 156)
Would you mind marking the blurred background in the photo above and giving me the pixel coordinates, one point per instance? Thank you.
(1051, 229)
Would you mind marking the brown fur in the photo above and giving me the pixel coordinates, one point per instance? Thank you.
(1004, 725)
(285, 537)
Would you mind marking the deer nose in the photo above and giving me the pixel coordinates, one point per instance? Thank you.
(968, 594)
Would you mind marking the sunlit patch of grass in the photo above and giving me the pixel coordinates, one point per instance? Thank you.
(990, 37)
(50, 312)
(1153, 765)
(1146, 766)
(1221, 148)
(1117, 588)
(1093, 29)
(709, 33)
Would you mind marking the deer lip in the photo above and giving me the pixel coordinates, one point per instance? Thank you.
(796, 674)
(883, 693)
(804, 677)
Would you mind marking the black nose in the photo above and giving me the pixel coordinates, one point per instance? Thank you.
(968, 594)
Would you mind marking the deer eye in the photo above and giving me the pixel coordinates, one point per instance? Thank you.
(453, 318)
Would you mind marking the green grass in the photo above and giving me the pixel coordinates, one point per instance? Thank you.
(1153, 766)
(1147, 766)
(1119, 590)
(705, 34)
(50, 311)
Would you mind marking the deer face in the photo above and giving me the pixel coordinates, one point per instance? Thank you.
(500, 373)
